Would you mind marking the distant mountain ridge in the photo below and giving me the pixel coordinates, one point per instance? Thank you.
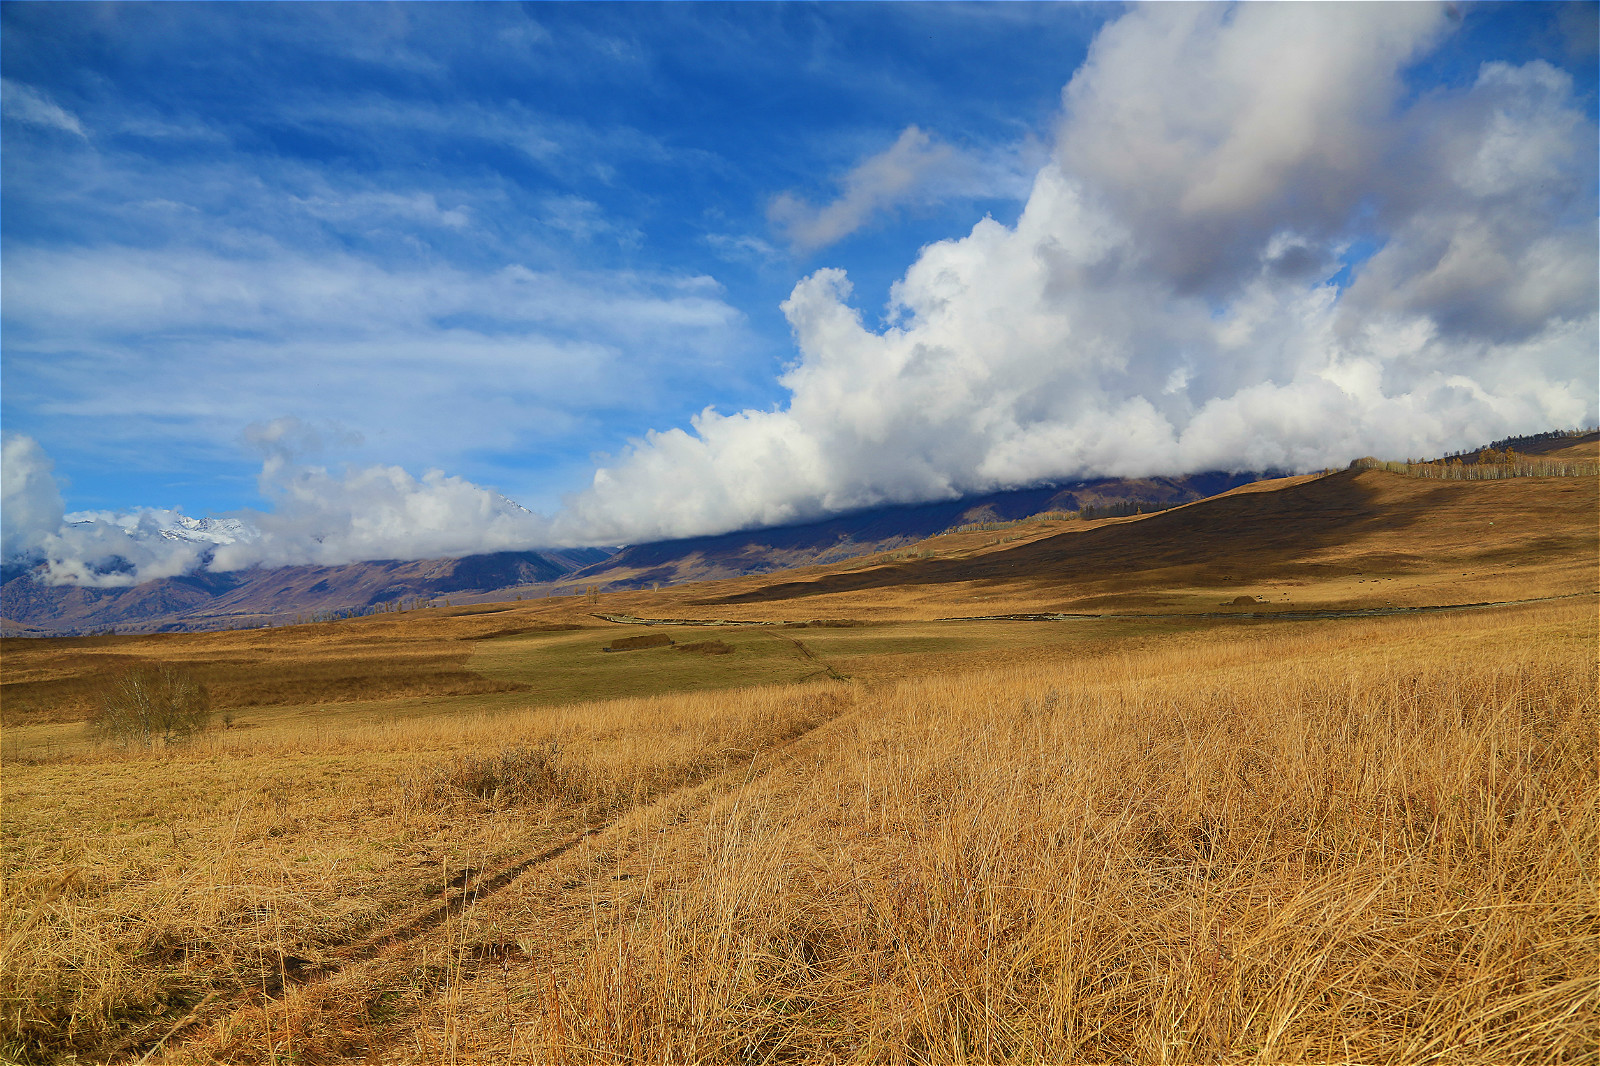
(209, 530)
(209, 600)
(761, 551)
(284, 594)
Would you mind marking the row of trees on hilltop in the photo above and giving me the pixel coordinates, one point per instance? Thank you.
(1494, 466)
(1492, 462)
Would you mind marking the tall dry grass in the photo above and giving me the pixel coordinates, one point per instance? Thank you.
(137, 885)
(1358, 842)
(1354, 841)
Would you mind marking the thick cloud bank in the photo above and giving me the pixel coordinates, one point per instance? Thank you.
(1253, 247)
(318, 517)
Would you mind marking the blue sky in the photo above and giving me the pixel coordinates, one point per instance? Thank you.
(628, 153)
(515, 244)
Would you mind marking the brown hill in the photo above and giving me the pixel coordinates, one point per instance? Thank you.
(1366, 538)
(880, 529)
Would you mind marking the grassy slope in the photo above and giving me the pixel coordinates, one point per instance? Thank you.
(1368, 841)
(1350, 539)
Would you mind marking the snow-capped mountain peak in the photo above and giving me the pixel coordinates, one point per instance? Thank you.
(209, 530)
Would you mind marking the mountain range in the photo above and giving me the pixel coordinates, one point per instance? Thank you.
(278, 595)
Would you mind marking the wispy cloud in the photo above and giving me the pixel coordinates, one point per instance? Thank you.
(23, 103)
(873, 185)
(430, 364)
(741, 248)
(916, 168)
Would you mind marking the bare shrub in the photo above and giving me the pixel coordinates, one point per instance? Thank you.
(148, 704)
(516, 774)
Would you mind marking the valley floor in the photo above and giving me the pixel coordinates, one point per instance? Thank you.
(1101, 840)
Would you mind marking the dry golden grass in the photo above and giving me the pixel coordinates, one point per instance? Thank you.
(138, 884)
(1346, 541)
(1354, 842)
(60, 680)
(1348, 840)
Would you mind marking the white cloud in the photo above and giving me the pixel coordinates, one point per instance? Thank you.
(418, 207)
(377, 512)
(742, 249)
(1207, 128)
(30, 501)
(78, 549)
(319, 517)
(915, 168)
(24, 103)
(1164, 305)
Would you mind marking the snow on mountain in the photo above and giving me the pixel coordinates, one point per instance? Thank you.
(209, 530)
(148, 525)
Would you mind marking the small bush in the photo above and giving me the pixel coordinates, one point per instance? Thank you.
(516, 774)
(152, 703)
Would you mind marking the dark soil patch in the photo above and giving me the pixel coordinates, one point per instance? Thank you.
(825, 623)
(647, 640)
(551, 627)
(707, 647)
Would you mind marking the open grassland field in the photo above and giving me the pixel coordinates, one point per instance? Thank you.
(483, 661)
(1180, 828)
(1344, 839)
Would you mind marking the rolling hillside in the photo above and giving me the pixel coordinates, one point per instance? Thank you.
(880, 529)
(1311, 542)
(1306, 542)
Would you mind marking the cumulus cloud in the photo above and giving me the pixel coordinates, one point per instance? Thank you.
(1206, 129)
(30, 501)
(376, 512)
(1171, 298)
(319, 517)
(80, 549)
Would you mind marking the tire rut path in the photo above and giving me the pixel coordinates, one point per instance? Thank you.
(463, 891)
